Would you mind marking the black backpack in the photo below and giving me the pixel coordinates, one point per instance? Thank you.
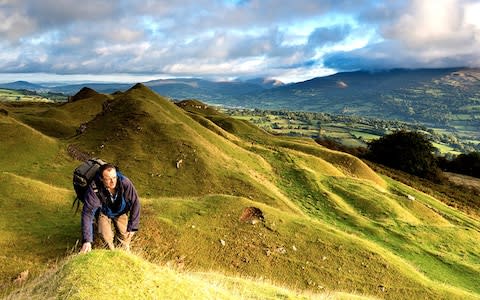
(83, 175)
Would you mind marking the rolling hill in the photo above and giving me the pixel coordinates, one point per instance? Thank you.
(21, 85)
(330, 223)
(446, 98)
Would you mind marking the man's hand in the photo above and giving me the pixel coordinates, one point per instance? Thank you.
(86, 247)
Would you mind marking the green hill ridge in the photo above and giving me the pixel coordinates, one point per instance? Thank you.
(331, 224)
(79, 278)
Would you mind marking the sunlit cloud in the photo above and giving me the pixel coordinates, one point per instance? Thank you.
(291, 41)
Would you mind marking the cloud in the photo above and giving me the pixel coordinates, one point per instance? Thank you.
(425, 34)
(323, 36)
(14, 24)
(235, 38)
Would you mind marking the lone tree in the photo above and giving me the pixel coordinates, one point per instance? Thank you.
(407, 151)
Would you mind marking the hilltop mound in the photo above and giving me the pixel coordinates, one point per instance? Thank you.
(84, 93)
(78, 278)
(329, 222)
(168, 153)
(24, 146)
(62, 120)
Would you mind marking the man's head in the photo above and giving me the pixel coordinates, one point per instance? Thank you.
(108, 174)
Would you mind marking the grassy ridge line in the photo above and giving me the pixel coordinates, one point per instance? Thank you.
(96, 276)
(452, 215)
(377, 230)
(220, 157)
(193, 235)
(218, 215)
(26, 151)
(408, 269)
(348, 164)
(261, 170)
(367, 201)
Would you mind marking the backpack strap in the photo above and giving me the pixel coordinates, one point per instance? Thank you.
(96, 190)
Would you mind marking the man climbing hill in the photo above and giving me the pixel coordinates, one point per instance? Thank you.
(109, 198)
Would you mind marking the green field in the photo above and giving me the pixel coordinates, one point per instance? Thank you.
(333, 228)
(27, 96)
(355, 131)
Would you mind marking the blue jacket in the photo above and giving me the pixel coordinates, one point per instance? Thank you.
(126, 201)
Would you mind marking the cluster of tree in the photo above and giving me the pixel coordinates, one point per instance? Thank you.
(407, 151)
(468, 164)
(413, 153)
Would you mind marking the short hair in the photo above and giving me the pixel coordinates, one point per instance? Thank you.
(106, 167)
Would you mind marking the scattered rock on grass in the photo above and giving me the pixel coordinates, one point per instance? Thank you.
(179, 163)
(252, 215)
(21, 278)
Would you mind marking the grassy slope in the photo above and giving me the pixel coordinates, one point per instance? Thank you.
(147, 135)
(78, 278)
(37, 225)
(331, 222)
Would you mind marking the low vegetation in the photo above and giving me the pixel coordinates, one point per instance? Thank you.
(30, 96)
(96, 276)
(331, 226)
(351, 130)
(410, 152)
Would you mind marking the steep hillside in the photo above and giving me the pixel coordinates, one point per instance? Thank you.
(447, 99)
(78, 278)
(328, 222)
(37, 225)
(26, 151)
(168, 153)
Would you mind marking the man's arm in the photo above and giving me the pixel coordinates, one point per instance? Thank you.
(86, 247)
(90, 207)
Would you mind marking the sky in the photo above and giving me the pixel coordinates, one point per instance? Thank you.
(291, 41)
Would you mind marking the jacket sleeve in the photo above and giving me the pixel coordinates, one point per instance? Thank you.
(131, 196)
(90, 207)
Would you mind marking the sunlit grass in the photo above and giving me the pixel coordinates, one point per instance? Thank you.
(331, 224)
(119, 275)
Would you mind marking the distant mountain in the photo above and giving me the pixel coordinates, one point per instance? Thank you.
(176, 88)
(22, 85)
(267, 83)
(185, 88)
(448, 97)
(439, 96)
(107, 88)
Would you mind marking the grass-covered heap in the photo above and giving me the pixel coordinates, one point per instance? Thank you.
(330, 222)
(119, 275)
